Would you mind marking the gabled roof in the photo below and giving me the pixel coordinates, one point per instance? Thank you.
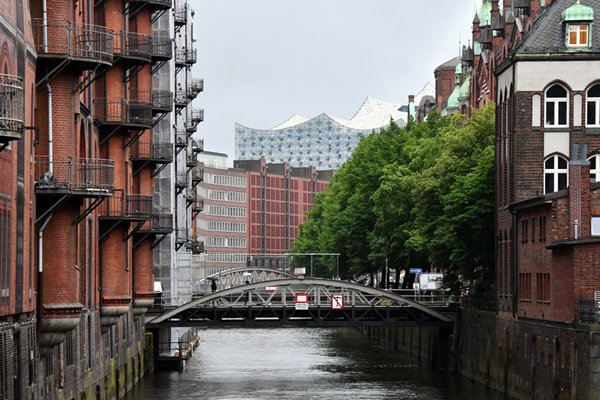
(547, 36)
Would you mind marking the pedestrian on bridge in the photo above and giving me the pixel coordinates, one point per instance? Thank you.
(213, 285)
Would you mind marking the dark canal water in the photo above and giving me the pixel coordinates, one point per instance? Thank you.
(302, 364)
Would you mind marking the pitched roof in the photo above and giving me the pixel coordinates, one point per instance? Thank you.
(547, 36)
(449, 65)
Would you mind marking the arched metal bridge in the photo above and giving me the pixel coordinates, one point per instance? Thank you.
(303, 302)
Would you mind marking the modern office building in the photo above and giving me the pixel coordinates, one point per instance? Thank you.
(323, 142)
(223, 222)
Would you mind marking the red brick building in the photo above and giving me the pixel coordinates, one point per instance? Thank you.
(77, 221)
(546, 159)
(278, 198)
(17, 257)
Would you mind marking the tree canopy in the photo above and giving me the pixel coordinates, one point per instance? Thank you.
(422, 196)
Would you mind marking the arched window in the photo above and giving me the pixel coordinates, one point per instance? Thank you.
(555, 174)
(593, 106)
(594, 170)
(556, 106)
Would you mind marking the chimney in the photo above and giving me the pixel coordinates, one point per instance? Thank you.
(579, 193)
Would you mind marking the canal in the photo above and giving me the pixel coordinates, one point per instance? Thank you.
(302, 364)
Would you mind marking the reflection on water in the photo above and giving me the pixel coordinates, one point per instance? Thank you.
(302, 364)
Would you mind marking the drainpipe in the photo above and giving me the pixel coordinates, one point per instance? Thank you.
(48, 87)
(40, 281)
(90, 121)
(50, 157)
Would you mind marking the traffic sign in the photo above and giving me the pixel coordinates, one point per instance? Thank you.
(416, 270)
(337, 301)
(301, 301)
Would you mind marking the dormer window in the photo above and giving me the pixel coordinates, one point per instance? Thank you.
(578, 35)
(578, 20)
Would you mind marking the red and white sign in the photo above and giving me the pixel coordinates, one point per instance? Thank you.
(337, 301)
(301, 301)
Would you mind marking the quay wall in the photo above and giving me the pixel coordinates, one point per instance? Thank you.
(524, 359)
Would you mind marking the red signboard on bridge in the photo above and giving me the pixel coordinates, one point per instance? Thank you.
(301, 301)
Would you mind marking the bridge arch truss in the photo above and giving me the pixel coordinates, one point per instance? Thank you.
(273, 303)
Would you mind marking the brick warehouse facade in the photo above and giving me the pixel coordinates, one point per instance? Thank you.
(253, 211)
(17, 262)
(538, 60)
(80, 213)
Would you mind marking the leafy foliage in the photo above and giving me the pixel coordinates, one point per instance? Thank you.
(416, 196)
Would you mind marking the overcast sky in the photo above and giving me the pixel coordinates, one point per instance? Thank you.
(264, 60)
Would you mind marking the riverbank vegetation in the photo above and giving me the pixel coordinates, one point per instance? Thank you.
(418, 196)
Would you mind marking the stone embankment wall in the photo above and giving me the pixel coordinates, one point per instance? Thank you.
(535, 360)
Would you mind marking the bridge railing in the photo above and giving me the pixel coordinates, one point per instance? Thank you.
(433, 298)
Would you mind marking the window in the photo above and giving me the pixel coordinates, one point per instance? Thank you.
(543, 287)
(524, 290)
(593, 106)
(556, 106)
(596, 226)
(594, 171)
(524, 230)
(542, 235)
(578, 35)
(555, 174)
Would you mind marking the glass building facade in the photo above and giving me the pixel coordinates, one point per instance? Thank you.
(323, 142)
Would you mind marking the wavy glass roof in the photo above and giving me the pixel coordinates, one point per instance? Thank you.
(324, 142)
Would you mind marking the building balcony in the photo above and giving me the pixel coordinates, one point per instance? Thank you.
(155, 4)
(181, 180)
(158, 224)
(180, 14)
(197, 146)
(131, 113)
(185, 57)
(12, 111)
(197, 175)
(181, 138)
(191, 56)
(195, 246)
(191, 196)
(198, 206)
(134, 46)
(152, 152)
(191, 94)
(191, 128)
(88, 177)
(180, 57)
(86, 45)
(181, 98)
(126, 207)
(197, 115)
(196, 85)
(191, 161)
(162, 48)
(162, 101)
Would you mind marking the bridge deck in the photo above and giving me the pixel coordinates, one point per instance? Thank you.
(324, 303)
